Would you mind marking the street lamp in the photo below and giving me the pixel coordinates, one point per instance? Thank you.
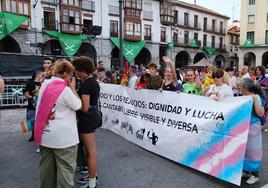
(121, 59)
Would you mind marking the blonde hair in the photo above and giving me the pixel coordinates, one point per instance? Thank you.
(62, 66)
(226, 79)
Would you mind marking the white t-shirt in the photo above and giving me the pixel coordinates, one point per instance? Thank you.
(222, 91)
(234, 84)
(61, 132)
(132, 82)
(246, 75)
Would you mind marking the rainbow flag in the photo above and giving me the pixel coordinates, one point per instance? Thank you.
(26, 126)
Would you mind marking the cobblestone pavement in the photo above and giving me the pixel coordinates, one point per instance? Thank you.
(121, 164)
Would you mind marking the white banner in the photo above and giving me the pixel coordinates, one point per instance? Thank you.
(195, 131)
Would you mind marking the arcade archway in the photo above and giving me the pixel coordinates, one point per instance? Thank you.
(143, 58)
(250, 59)
(198, 57)
(182, 59)
(9, 44)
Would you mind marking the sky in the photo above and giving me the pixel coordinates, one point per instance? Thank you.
(221, 6)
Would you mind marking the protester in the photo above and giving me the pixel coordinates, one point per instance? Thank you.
(101, 65)
(233, 80)
(30, 92)
(180, 75)
(88, 118)
(141, 82)
(208, 78)
(193, 83)
(170, 82)
(109, 77)
(253, 156)
(218, 91)
(260, 74)
(244, 72)
(155, 80)
(56, 128)
(133, 78)
(2, 84)
(47, 68)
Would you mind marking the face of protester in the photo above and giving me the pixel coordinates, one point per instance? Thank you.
(101, 65)
(68, 76)
(244, 70)
(47, 64)
(169, 74)
(101, 75)
(258, 72)
(153, 71)
(143, 70)
(218, 80)
(81, 75)
(190, 76)
(231, 73)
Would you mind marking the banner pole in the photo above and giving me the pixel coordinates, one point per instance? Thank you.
(121, 59)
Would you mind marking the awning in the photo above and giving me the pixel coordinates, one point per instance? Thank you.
(248, 44)
(130, 49)
(209, 50)
(9, 23)
(194, 44)
(70, 43)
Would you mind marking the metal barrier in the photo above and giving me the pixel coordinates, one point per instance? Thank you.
(13, 96)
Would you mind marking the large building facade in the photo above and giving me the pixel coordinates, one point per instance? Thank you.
(185, 32)
(253, 49)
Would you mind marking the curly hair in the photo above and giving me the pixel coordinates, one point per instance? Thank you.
(84, 63)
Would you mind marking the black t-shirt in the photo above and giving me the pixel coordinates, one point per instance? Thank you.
(31, 88)
(92, 88)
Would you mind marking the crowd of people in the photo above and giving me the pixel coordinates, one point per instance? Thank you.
(63, 104)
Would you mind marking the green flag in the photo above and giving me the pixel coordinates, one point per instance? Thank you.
(70, 43)
(9, 23)
(194, 44)
(248, 44)
(130, 49)
(209, 50)
(171, 45)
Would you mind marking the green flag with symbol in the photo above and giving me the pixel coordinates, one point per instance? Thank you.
(248, 44)
(70, 43)
(130, 49)
(209, 50)
(9, 23)
(194, 44)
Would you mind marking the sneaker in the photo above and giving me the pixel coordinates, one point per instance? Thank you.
(84, 170)
(31, 139)
(245, 175)
(252, 179)
(85, 179)
(37, 151)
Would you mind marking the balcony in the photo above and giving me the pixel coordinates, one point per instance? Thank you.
(88, 5)
(148, 37)
(113, 10)
(148, 15)
(131, 37)
(216, 31)
(50, 25)
(220, 47)
(191, 26)
(186, 42)
(49, 2)
(113, 34)
(167, 20)
(71, 28)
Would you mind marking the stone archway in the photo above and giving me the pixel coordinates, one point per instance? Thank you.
(250, 59)
(52, 47)
(87, 49)
(265, 60)
(115, 62)
(9, 44)
(219, 61)
(143, 58)
(182, 59)
(198, 57)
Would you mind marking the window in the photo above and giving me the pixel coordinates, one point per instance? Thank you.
(17, 6)
(163, 34)
(176, 17)
(204, 40)
(71, 2)
(266, 37)
(221, 27)
(186, 18)
(250, 35)
(205, 23)
(132, 29)
(251, 19)
(133, 4)
(49, 21)
(196, 36)
(195, 21)
(148, 32)
(213, 41)
(221, 43)
(213, 25)
(132, 12)
(186, 37)
(251, 2)
(113, 28)
(175, 37)
(71, 20)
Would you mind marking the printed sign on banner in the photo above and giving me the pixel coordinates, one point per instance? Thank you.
(195, 131)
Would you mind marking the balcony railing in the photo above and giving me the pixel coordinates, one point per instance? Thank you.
(147, 15)
(191, 26)
(131, 37)
(113, 34)
(113, 10)
(50, 24)
(52, 2)
(218, 46)
(88, 5)
(216, 31)
(148, 37)
(71, 28)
